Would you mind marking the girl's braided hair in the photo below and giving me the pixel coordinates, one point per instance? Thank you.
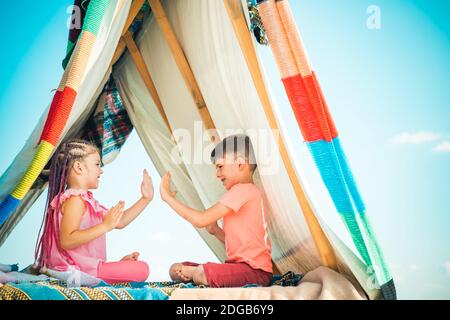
(60, 166)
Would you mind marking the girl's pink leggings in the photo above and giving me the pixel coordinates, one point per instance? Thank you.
(123, 271)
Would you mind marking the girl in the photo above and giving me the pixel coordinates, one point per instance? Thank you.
(75, 223)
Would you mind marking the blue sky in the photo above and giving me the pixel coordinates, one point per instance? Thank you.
(387, 90)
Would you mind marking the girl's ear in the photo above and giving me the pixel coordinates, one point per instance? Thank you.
(77, 167)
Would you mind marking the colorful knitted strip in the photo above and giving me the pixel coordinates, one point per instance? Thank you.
(7, 207)
(78, 16)
(319, 131)
(60, 107)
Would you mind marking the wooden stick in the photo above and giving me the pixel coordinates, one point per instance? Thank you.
(241, 30)
(145, 75)
(119, 50)
(183, 65)
(134, 10)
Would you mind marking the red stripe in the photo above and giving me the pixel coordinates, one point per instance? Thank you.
(330, 120)
(320, 107)
(310, 108)
(56, 101)
(303, 109)
(59, 113)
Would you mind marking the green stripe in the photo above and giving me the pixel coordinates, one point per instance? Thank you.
(357, 236)
(94, 15)
(70, 49)
(70, 46)
(381, 270)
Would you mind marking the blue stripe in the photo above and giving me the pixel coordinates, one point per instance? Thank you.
(333, 166)
(331, 171)
(328, 165)
(7, 207)
(348, 176)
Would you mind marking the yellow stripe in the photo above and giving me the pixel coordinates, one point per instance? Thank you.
(38, 163)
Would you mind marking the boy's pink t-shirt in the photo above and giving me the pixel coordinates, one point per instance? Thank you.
(246, 236)
(86, 257)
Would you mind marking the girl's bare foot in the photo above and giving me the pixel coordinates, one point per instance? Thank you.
(131, 257)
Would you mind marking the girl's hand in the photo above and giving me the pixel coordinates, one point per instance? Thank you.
(131, 257)
(165, 188)
(113, 216)
(147, 186)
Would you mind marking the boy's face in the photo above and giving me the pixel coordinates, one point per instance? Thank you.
(229, 170)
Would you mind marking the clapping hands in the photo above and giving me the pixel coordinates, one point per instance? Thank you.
(165, 188)
(147, 186)
(112, 218)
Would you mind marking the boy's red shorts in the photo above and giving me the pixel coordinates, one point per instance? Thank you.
(231, 274)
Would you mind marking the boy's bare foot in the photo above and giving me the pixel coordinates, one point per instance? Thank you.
(179, 272)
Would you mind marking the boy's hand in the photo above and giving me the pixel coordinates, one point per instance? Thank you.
(216, 231)
(165, 188)
(147, 186)
(113, 216)
(212, 228)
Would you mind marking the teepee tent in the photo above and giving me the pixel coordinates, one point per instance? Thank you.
(189, 69)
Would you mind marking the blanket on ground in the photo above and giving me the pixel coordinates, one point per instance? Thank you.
(61, 290)
(320, 284)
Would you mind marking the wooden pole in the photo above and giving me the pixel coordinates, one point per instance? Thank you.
(134, 10)
(241, 30)
(145, 75)
(183, 66)
(119, 50)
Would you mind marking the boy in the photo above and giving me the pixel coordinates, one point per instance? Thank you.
(244, 230)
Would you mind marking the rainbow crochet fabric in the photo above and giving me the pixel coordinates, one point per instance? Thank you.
(319, 130)
(60, 107)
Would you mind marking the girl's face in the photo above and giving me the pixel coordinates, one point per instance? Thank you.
(91, 174)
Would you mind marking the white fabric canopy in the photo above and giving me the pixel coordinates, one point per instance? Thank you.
(212, 50)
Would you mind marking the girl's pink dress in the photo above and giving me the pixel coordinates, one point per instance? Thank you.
(91, 257)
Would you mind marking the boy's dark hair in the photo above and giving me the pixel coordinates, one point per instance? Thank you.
(239, 144)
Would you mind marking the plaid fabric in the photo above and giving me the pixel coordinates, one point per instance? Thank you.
(109, 126)
(256, 25)
(289, 279)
